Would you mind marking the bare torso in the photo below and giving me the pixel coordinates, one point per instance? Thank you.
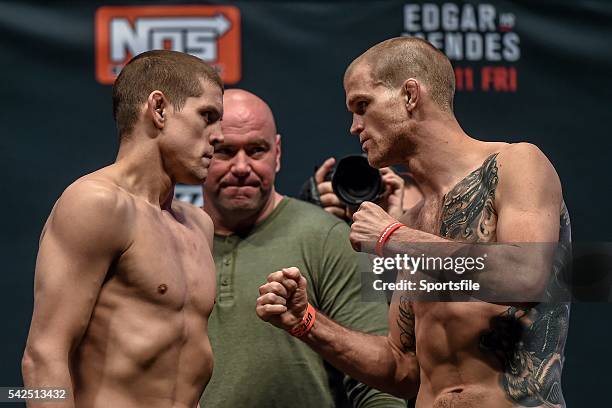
(457, 344)
(146, 343)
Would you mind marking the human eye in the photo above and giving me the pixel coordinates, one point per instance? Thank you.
(258, 151)
(223, 152)
(362, 106)
(210, 116)
(206, 115)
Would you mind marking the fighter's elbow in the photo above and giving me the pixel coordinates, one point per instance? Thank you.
(32, 364)
(405, 376)
(407, 385)
(28, 366)
(41, 361)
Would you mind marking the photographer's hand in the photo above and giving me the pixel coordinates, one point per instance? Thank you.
(329, 201)
(393, 196)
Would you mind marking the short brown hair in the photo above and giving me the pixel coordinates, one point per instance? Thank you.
(397, 59)
(174, 73)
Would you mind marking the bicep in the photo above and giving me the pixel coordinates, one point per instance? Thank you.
(537, 225)
(65, 289)
(528, 203)
(528, 199)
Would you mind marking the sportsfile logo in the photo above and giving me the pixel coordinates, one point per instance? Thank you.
(211, 33)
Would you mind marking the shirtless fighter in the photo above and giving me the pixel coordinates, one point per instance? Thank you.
(470, 354)
(125, 278)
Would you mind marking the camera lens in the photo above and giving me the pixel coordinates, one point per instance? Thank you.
(355, 181)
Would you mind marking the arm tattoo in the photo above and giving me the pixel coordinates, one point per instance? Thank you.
(529, 343)
(405, 322)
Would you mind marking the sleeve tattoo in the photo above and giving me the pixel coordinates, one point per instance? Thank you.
(405, 322)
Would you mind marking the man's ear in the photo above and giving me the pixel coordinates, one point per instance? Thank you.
(157, 105)
(411, 91)
(277, 143)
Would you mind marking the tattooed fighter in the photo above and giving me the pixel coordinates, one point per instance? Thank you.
(470, 354)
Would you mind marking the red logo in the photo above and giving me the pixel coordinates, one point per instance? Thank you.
(211, 33)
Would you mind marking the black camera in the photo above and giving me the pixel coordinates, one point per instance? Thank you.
(353, 181)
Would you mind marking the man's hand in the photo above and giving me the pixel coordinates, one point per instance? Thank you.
(329, 200)
(368, 223)
(283, 299)
(393, 196)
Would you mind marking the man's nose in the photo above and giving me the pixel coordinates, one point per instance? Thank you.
(357, 125)
(216, 136)
(240, 165)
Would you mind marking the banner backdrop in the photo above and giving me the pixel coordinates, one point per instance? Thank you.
(526, 71)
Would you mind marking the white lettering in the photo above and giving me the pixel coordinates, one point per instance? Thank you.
(473, 46)
(468, 18)
(507, 20)
(450, 17)
(379, 282)
(492, 45)
(202, 45)
(486, 17)
(411, 17)
(453, 47)
(196, 35)
(431, 17)
(436, 39)
(377, 267)
(511, 52)
(158, 38)
(124, 39)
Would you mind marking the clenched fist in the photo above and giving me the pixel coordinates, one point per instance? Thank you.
(283, 299)
(368, 223)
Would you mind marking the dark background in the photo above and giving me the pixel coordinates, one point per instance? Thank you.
(57, 124)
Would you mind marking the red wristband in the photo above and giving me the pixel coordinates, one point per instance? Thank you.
(306, 324)
(385, 235)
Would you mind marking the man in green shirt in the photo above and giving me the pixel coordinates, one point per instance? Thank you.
(258, 231)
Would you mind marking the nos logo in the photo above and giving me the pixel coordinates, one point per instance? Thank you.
(211, 33)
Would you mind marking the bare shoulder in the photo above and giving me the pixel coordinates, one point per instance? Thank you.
(526, 178)
(522, 157)
(91, 196)
(525, 167)
(92, 207)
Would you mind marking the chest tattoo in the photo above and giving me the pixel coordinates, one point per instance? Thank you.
(468, 212)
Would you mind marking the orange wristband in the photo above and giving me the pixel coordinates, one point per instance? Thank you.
(306, 324)
(385, 235)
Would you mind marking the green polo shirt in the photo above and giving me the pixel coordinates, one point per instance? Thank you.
(258, 365)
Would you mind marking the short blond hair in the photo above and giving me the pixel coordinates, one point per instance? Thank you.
(393, 61)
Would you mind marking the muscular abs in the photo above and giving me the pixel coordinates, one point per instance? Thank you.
(478, 354)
